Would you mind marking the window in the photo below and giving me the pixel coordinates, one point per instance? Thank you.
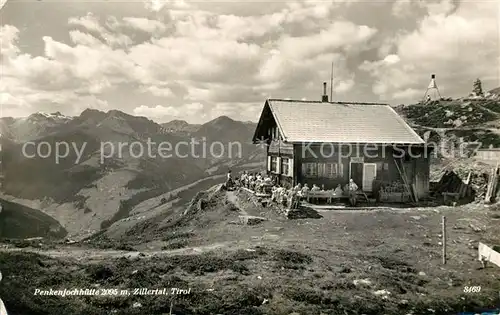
(310, 170)
(322, 170)
(285, 164)
(329, 170)
(274, 164)
(274, 133)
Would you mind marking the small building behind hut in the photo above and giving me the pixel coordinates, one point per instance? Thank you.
(327, 143)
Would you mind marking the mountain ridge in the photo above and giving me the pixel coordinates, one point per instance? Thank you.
(92, 194)
(40, 124)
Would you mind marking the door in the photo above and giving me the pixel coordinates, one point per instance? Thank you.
(369, 175)
(356, 173)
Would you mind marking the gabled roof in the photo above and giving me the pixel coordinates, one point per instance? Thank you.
(310, 121)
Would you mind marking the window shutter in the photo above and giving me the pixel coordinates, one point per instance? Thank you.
(290, 167)
(278, 165)
(269, 163)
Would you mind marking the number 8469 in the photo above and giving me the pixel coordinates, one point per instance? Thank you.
(475, 289)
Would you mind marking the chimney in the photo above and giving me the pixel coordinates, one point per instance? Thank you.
(324, 98)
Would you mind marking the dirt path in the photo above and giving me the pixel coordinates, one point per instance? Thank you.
(103, 254)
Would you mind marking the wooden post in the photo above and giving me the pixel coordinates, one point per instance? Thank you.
(443, 233)
(171, 306)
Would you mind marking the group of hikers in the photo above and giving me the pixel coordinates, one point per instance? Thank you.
(254, 181)
(293, 196)
(288, 196)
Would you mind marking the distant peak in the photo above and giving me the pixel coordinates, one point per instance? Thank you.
(177, 122)
(42, 115)
(91, 111)
(222, 119)
(115, 112)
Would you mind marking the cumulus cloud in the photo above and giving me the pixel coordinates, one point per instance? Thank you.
(212, 58)
(440, 7)
(159, 91)
(158, 5)
(91, 23)
(146, 25)
(65, 75)
(81, 38)
(343, 86)
(402, 8)
(339, 35)
(408, 8)
(8, 41)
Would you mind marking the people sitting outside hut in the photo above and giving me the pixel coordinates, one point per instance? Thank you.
(253, 183)
(277, 194)
(274, 180)
(250, 181)
(244, 178)
(352, 192)
(267, 183)
(304, 191)
(297, 188)
(314, 188)
(338, 191)
(293, 199)
(274, 193)
(259, 185)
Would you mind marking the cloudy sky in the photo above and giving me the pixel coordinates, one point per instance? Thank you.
(199, 60)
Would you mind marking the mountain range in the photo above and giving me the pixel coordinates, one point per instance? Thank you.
(101, 174)
(97, 183)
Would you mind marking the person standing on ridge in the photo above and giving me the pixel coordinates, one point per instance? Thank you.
(229, 180)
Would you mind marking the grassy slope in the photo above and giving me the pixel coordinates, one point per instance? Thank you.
(17, 221)
(304, 266)
(37, 178)
(472, 120)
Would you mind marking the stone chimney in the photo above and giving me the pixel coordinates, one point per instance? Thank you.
(324, 98)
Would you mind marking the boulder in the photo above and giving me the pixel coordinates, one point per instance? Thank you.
(250, 220)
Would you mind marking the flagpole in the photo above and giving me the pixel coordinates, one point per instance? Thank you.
(331, 85)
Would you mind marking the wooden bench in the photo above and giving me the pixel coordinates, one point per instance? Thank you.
(325, 195)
